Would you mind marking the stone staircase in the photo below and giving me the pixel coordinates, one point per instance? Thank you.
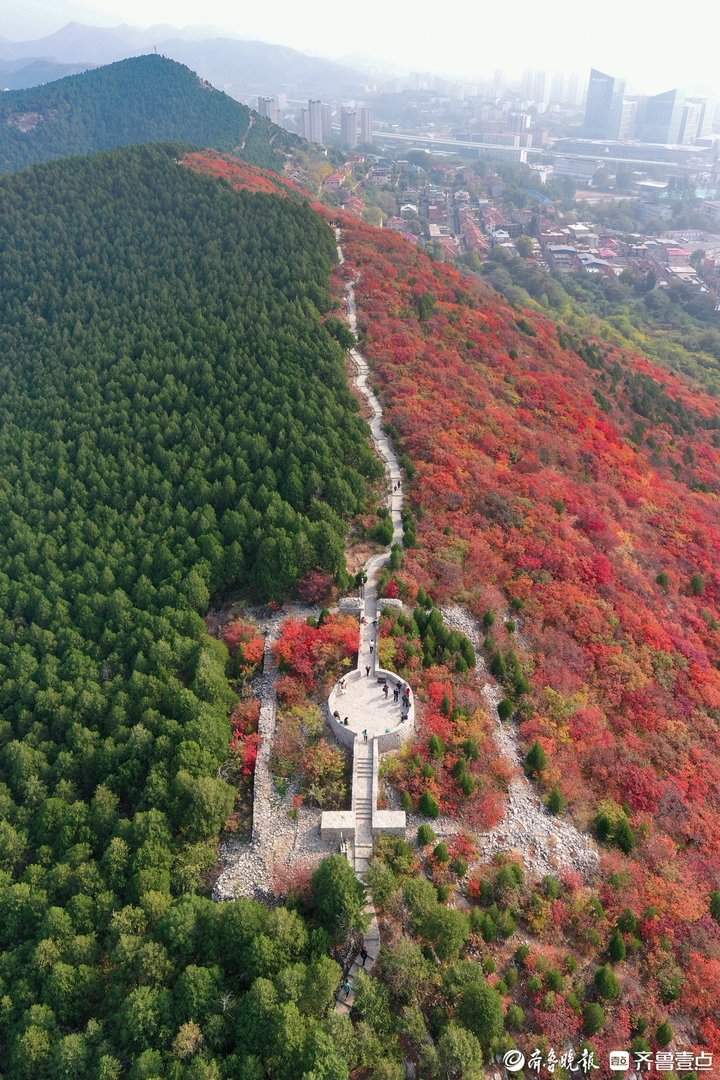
(363, 805)
(371, 940)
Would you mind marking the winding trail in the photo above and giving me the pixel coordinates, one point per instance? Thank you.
(375, 563)
(370, 713)
(547, 843)
(366, 708)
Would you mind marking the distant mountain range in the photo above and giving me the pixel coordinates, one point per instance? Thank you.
(20, 74)
(76, 42)
(241, 68)
(139, 100)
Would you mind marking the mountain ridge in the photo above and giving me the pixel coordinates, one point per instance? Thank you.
(563, 490)
(142, 99)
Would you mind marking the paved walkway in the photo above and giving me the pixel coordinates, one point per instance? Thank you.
(362, 805)
(363, 702)
(371, 941)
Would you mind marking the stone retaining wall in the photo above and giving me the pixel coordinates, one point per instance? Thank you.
(383, 821)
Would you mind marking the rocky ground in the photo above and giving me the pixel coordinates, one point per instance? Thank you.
(547, 843)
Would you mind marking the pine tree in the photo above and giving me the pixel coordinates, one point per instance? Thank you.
(616, 948)
(535, 760)
(555, 801)
(664, 1033)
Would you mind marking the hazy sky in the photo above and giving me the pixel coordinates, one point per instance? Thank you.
(655, 44)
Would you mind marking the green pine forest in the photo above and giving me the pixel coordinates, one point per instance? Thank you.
(139, 100)
(174, 423)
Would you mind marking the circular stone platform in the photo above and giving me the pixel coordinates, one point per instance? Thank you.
(365, 705)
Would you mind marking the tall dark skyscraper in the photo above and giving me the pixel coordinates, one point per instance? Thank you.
(604, 108)
(663, 117)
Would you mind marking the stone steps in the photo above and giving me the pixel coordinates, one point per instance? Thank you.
(362, 801)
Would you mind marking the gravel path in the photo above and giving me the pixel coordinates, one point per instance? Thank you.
(278, 843)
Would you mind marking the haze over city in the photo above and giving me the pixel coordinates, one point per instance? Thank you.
(465, 40)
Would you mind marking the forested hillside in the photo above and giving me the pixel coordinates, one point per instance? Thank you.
(143, 99)
(568, 492)
(174, 421)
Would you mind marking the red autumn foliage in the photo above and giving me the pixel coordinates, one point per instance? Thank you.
(245, 716)
(315, 587)
(526, 488)
(245, 740)
(292, 879)
(248, 746)
(290, 690)
(315, 655)
(244, 643)
(238, 173)
(462, 846)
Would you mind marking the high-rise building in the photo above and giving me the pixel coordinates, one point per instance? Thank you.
(540, 88)
(348, 128)
(573, 93)
(604, 106)
(697, 120)
(365, 126)
(268, 107)
(519, 121)
(326, 123)
(628, 118)
(315, 124)
(692, 115)
(662, 118)
(557, 88)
